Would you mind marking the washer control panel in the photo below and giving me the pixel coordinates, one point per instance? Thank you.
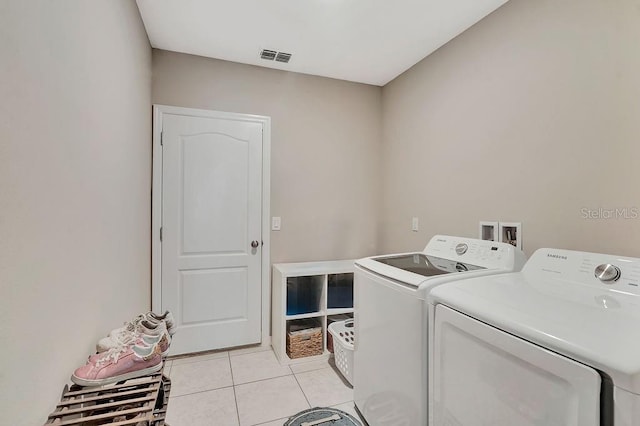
(473, 254)
(461, 248)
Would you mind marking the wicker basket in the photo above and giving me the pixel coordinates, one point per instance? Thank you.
(303, 342)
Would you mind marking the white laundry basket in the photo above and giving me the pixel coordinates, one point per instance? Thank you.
(343, 339)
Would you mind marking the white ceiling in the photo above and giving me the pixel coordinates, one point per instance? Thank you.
(367, 41)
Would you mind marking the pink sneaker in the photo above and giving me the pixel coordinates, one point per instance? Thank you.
(119, 364)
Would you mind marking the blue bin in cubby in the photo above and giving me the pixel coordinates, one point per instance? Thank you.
(340, 291)
(303, 295)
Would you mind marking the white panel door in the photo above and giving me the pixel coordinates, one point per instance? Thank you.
(211, 226)
(483, 376)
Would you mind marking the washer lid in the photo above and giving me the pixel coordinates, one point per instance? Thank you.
(417, 263)
(414, 269)
(596, 325)
(445, 255)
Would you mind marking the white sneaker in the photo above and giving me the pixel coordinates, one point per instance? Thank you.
(167, 318)
(134, 324)
(147, 330)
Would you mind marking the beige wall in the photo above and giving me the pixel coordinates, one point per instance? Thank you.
(325, 144)
(75, 173)
(530, 115)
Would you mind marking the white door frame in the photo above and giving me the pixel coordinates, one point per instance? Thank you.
(156, 203)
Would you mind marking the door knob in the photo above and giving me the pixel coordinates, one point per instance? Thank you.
(255, 244)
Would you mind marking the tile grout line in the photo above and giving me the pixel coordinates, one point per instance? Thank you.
(201, 391)
(319, 366)
(336, 372)
(309, 371)
(285, 372)
(265, 379)
(185, 361)
(214, 355)
(233, 385)
(302, 390)
(303, 394)
(233, 381)
(255, 381)
(235, 398)
(340, 403)
(249, 353)
(208, 389)
(264, 423)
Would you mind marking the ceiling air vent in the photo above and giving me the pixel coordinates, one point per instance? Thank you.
(283, 57)
(269, 55)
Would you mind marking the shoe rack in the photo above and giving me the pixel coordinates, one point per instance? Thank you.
(142, 400)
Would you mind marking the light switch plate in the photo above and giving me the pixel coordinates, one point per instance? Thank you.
(414, 224)
(275, 223)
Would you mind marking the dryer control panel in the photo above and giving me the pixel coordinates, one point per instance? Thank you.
(617, 273)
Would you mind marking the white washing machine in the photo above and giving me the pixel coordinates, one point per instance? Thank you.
(390, 356)
(555, 344)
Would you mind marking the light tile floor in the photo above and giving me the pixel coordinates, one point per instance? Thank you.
(247, 387)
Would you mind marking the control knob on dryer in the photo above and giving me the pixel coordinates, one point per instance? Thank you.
(607, 273)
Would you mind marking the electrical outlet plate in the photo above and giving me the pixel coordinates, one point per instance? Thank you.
(511, 233)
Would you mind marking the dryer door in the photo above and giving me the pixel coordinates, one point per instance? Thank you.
(483, 376)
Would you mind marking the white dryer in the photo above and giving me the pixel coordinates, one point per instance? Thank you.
(555, 344)
(390, 357)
